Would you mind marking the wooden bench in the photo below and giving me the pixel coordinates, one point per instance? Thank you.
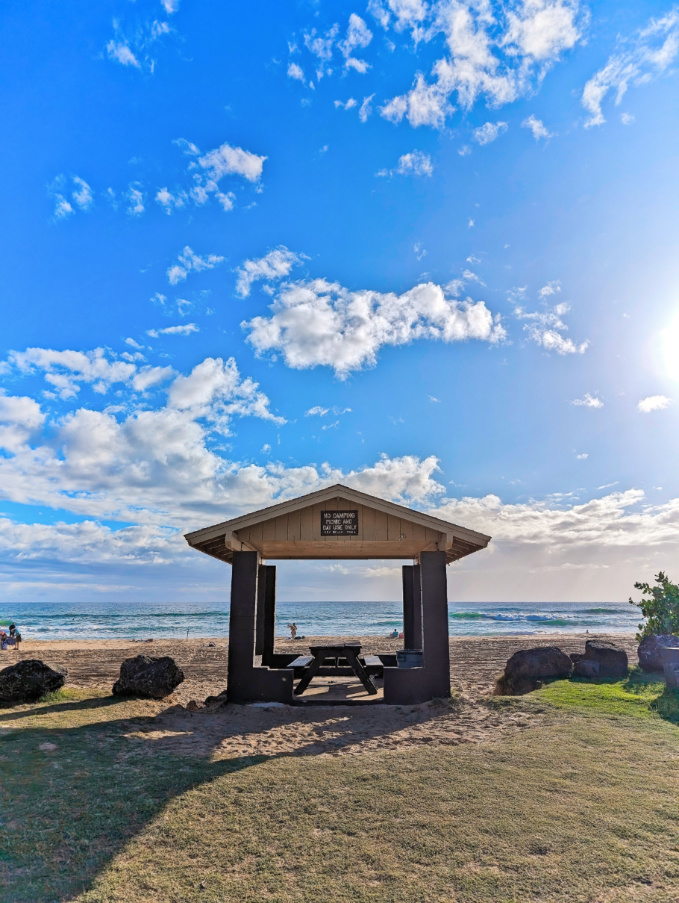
(302, 661)
(372, 661)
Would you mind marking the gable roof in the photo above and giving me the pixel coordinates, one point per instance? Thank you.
(280, 531)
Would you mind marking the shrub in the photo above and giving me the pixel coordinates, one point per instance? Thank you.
(660, 607)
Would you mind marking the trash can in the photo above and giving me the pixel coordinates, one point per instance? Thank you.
(409, 658)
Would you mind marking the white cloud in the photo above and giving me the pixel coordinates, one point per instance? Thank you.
(121, 53)
(346, 105)
(184, 329)
(589, 401)
(228, 160)
(626, 118)
(20, 418)
(649, 53)
(552, 288)
(187, 262)
(537, 127)
(169, 201)
(151, 376)
(318, 323)
(415, 163)
(316, 411)
(489, 132)
(295, 71)
(274, 265)
(366, 108)
(65, 370)
(170, 6)
(82, 193)
(654, 403)
(546, 328)
(62, 207)
(582, 456)
(135, 198)
(490, 50)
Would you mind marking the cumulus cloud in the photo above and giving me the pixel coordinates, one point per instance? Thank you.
(654, 403)
(188, 261)
(319, 323)
(537, 127)
(366, 108)
(20, 418)
(135, 198)
(134, 47)
(208, 170)
(295, 71)
(184, 329)
(66, 370)
(551, 288)
(489, 132)
(70, 195)
(644, 56)
(547, 328)
(274, 265)
(415, 163)
(589, 401)
(491, 51)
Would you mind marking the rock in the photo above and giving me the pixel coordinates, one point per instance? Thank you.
(649, 651)
(585, 667)
(219, 700)
(193, 706)
(28, 680)
(151, 678)
(612, 659)
(527, 668)
(671, 676)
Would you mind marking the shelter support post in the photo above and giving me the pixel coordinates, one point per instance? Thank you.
(268, 572)
(412, 607)
(246, 683)
(408, 686)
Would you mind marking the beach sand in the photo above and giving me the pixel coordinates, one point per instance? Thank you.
(236, 731)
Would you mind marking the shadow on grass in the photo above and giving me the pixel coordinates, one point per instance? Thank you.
(71, 798)
(73, 794)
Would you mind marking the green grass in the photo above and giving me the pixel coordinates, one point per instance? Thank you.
(639, 695)
(581, 808)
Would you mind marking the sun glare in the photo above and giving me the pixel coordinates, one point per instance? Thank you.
(670, 344)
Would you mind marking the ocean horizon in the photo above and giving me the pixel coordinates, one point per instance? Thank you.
(107, 621)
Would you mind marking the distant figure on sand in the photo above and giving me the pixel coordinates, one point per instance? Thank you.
(293, 631)
(394, 634)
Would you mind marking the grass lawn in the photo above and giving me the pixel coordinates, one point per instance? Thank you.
(583, 807)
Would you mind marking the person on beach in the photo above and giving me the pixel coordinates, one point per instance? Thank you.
(14, 635)
(293, 631)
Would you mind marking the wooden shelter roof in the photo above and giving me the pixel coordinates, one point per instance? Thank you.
(298, 529)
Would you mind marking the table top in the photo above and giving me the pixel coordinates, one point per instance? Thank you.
(356, 646)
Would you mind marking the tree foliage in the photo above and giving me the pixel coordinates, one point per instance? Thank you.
(660, 607)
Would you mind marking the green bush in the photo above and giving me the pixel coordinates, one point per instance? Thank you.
(660, 607)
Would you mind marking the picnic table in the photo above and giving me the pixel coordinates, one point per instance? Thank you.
(328, 660)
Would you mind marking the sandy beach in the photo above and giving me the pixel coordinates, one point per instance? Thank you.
(254, 730)
(475, 662)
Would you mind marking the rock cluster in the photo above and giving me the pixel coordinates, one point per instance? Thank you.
(28, 680)
(600, 659)
(527, 669)
(651, 651)
(150, 678)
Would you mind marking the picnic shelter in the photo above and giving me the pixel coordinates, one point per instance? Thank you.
(337, 523)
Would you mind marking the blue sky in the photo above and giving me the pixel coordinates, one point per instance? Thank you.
(424, 248)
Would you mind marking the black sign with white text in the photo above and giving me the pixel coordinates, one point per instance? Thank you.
(339, 523)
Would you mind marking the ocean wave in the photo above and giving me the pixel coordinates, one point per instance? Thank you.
(603, 611)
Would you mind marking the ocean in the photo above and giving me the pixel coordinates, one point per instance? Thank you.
(107, 621)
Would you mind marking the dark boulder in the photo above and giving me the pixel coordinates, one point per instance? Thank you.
(650, 651)
(28, 680)
(612, 659)
(584, 667)
(151, 678)
(527, 668)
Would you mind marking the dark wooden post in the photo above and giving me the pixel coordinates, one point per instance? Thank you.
(412, 607)
(435, 622)
(268, 597)
(247, 683)
(259, 619)
(242, 623)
